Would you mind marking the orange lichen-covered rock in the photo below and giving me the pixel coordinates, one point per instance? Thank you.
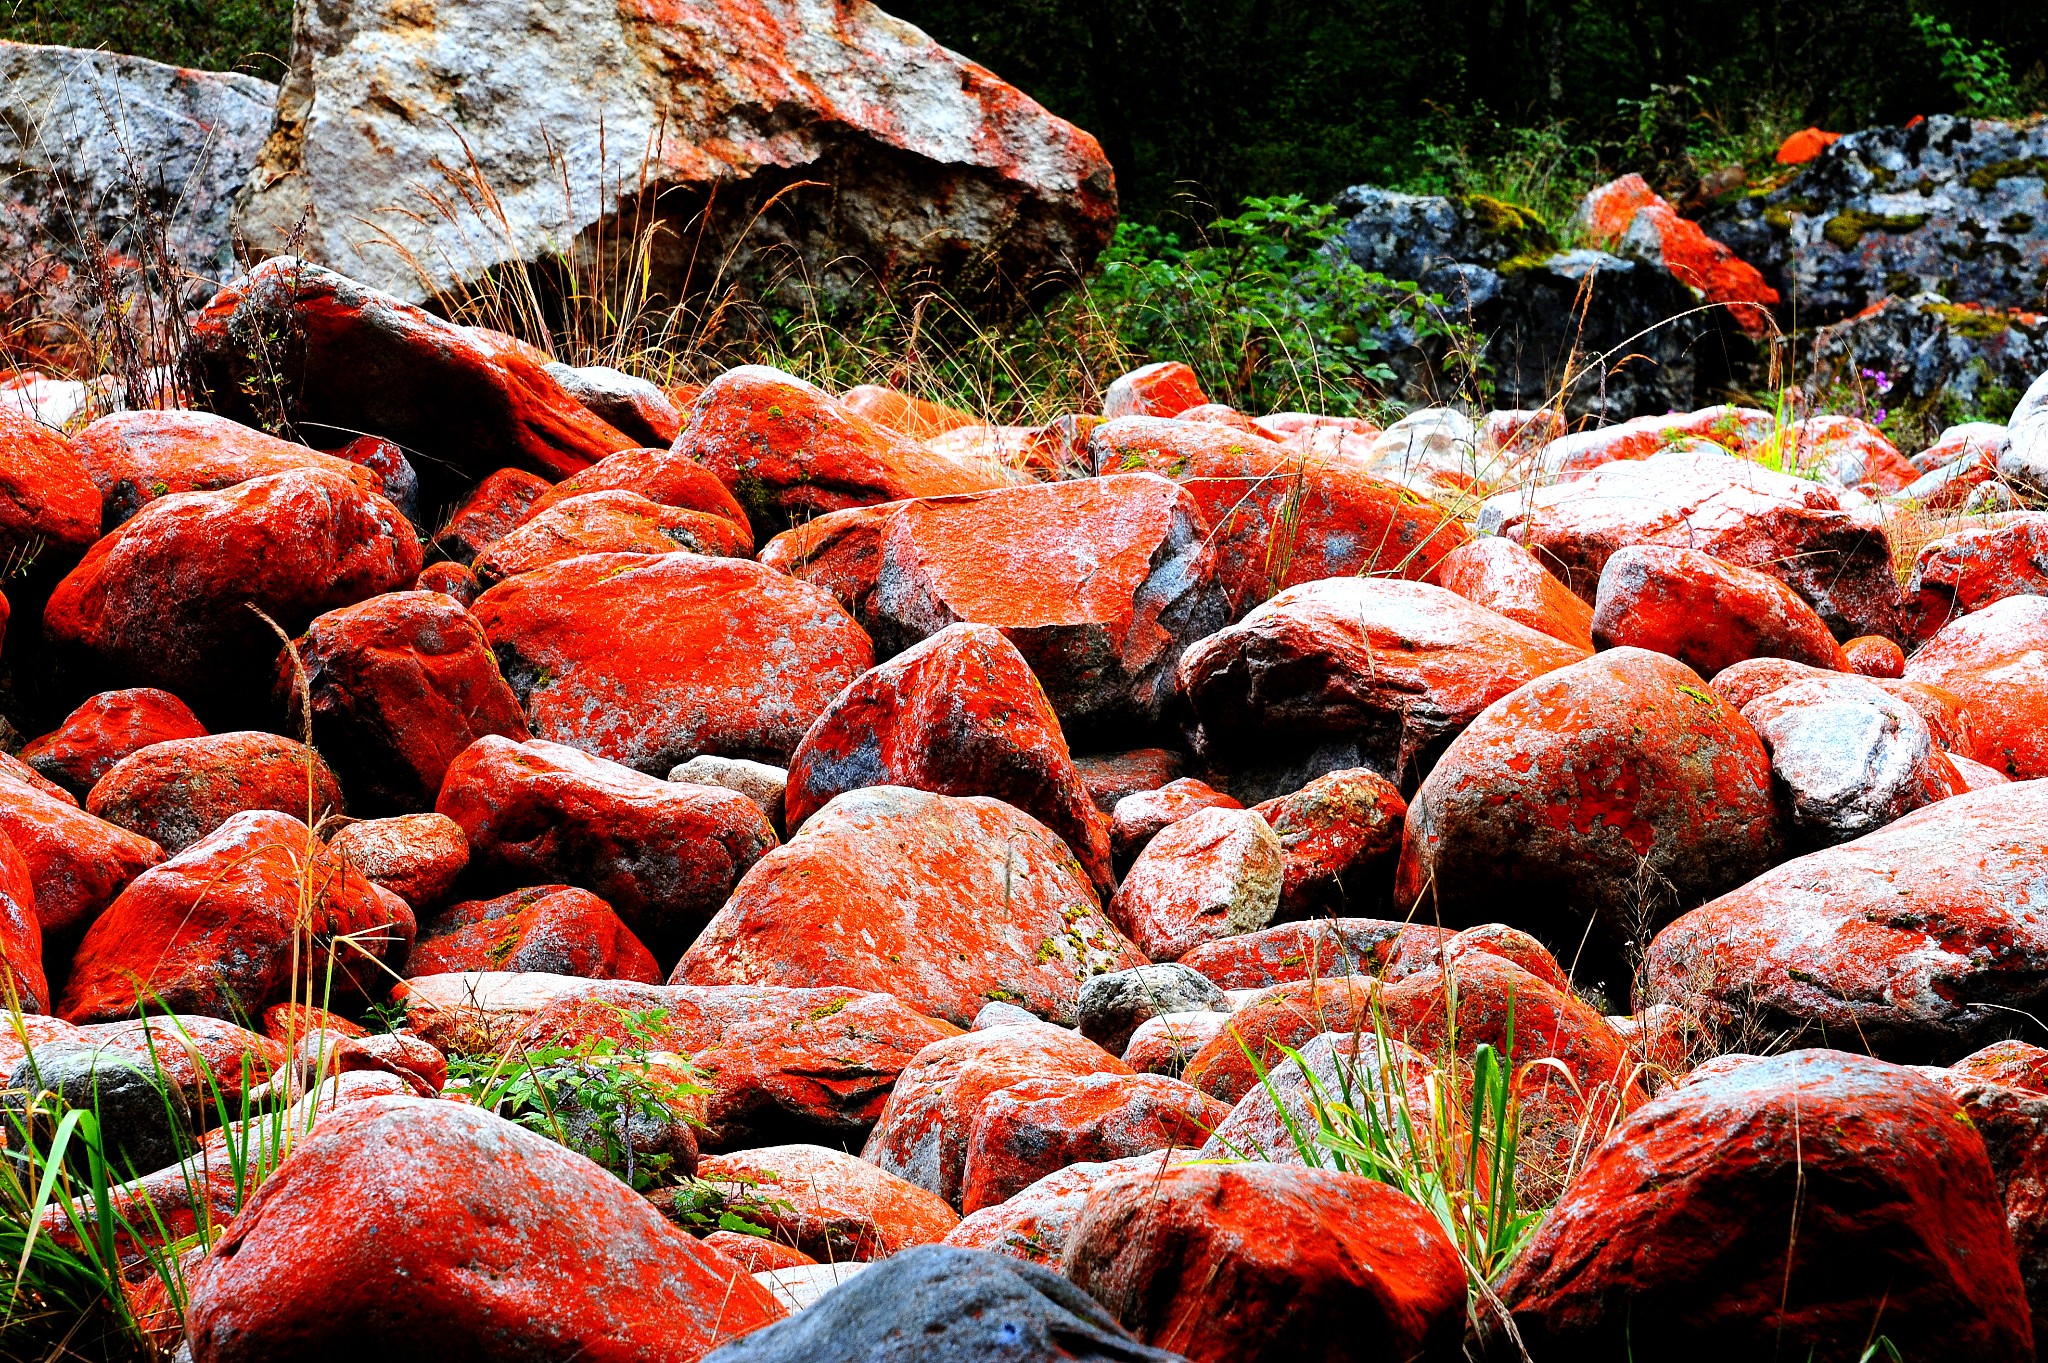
(1214, 874)
(650, 660)
(1873, 655)
(1502, 576)
(1629, 216)
(1279, 516)
(840, 552)
(46, 496)
(415, 856)
(1140, 817)
(1272, 1022)
(1970, 569)
(164, 600)
(1340, 836)
(76, 862)
(105, 729)
(664, 855)
(400, 685)
(1898, 1211)
(1100, 583)
(1165, 389)
(176, 793)
(1324, 949)
(946, 902)
(442, 1225)
(1739, 430)
(614, 522)
(925, 1130)
(1038, 1126)
(788, 451)
(661, 476)
(1844, 451)
(1943, 710)
(492, 510)
(1995, 660)
(1597, 802)
(1355, 672)
(1112, 777)
(1706, 613)
(451, 580)
(1264, 1263)
(24, 986)
(1912, 941)
(904, 414)
(219, 928)
(134, 458)
(1034, 1223)
(833, 1206)
(556, 928)
(1804, 146)
(753, 1253)
(959, 714)
(2014, 1064)
(13, 769)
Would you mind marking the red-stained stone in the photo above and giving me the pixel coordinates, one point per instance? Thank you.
(1034, 1224)
(1265, 1263)
(551, 927)
(1696, 496)
(1847, 756)
(46, 496)
(665, 856)
(1356, 672)
(1502, 576)
(661, 476)
(1340, 835)
(401, 482)
(1039, 1126)
(1706, 613)
(614, 522)
(1110, 777)
(76, 862)
(1166, 1043)
(415, 856)
(24, 988)
(1619, 790)
(1214, 874)
(1279, 516)
(212, 930)
(1844, 451)
(1628, 210)
(840, 1208)
(946, 902)
(1975, 775)
(1914, 940)
(650, 660)
(1139, 817)
(1804, 146)
(493, 509)
(164, 600)
(1970, 569)
(22, 774)
(904, 414)
(1165, 389)
(2014, 1124)
(176, 793)
(924, 1132)
(1100, 583)
(1677, 1240)
(1995, 660)
(1273, 1021)
(105, 729)
(1873, 655)
(1418, 952)
(839, 552)
(134, 458)
(789, 451)
(1663, 1039)
(451, 580)
(2015, 1064)
(753, 1253)
(289, 1023)
(400, 685)
(1943, 710)
(442, 1226)
(1738, 430)
(1308, 951)
(959, 714)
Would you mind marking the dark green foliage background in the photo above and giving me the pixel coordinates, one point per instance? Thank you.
(221, 35)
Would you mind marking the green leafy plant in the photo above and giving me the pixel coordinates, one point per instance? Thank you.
(1978, 72)
(732, 1203)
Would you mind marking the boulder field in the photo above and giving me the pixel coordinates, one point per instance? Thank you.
(796, 890)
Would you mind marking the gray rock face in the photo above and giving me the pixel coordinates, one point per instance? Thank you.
(142, 1123)
(95, 147)
(1335, 1068)
(1848, 757)
(1113, 1005)
(758, 781)
(1933, 350)
(578, 116)
(2025, 457)
(1953, 205)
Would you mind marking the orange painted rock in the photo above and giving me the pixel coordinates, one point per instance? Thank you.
(1873, 655)
(839, 1208)
(660, 475)
(1502, 576)
(106, 729)
(1279, 516)
(1110, 777)
(1323, 949)
(555, 928)
(1340, 836)
(1970, 569)
(1165, 389)
(946, 902)
(821, 1062)
(176, 793)
(1804, 146)
(1214, 874)
(1598, 802)
(493, 509)
(924, 1131)
(415, 856)
(959, 714)
(664, 856)
(444, 1226)
(400, 685)
(1034, 1224)
(1995, 660)
(651, 660)
(1628, 216)
(24, 987)
(1167, 1043)
(753, 1253)
(1845, 451)
(1898, 1213)
(2014, 1064)
(788, 451)
(1039, 1126)
(840, 552)
(46, 496)
(1139, 817)
(615, 522)
(134, 458)
(1272, 1022)
(22, 774)
(1354, 672)
(1739, 430)
(1914, 940)
(1100, 584)
(904, 414)
(1695, 496)
(1261, 1263)
(76, 862)
(1848, 757)
(1706, 613)
(164, 600)
(460, 398)
(451, 580)
(212, 930)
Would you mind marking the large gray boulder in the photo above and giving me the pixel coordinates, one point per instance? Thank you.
(1935, 355)
(425, 145)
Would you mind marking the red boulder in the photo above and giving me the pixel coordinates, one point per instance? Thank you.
(45, 495)
(106, 729)
(552, 927)
(1138, 818)
(1039, 1126)
(1872, 655)
(493, 509)
(834, 1207)
(615, 522)
(24, 987)
(1968, 570)
(417, 857)
(77, 863)
(1309, 951)
(905, 414)
(1110, 777)
(1214, 874)
(134, 458)
(176, 793)
(1996, 661)
(1706, 613)
(1165, 389)
(1034, 1224)
(1340, 836)
(839, 552)
(1502, 576)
